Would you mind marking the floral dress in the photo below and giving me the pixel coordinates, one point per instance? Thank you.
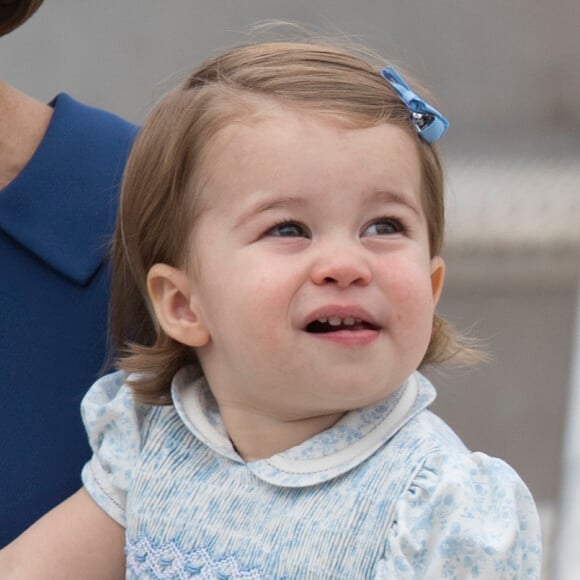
(388, 492)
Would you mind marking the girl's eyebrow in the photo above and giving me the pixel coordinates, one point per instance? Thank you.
(288, 201)
(392, 197)
(268, 204)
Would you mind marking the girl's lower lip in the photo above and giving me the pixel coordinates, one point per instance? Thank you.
(360, 337)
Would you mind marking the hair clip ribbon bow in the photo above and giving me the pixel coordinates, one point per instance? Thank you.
(429, 122)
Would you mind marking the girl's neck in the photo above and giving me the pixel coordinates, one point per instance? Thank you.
(256, 436)
(23, 123)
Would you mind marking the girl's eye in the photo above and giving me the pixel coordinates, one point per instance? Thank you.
(288, 230)
(384, 227)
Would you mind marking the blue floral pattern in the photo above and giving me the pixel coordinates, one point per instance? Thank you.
(388, 492)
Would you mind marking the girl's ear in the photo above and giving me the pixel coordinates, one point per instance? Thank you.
(437, 277)
(170, 293)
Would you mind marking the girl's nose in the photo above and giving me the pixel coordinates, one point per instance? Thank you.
(341, 265)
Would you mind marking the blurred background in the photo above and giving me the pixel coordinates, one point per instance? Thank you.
(507, 75)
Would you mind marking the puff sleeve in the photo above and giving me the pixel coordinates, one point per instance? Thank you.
(113, 421)
(464, 516)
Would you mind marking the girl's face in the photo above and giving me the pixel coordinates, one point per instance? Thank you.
(312, 271)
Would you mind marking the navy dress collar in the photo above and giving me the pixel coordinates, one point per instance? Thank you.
(62, 208)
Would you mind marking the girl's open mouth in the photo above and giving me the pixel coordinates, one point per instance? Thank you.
(335, 324)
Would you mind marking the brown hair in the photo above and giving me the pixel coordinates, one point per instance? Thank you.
(13, 13)
(161, 183)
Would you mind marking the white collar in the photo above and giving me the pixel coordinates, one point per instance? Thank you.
(325, 456)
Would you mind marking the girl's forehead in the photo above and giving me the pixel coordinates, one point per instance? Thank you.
(265, 113)
(295, 150)
(274, 124)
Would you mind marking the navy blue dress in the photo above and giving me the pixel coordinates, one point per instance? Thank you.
(56, 220)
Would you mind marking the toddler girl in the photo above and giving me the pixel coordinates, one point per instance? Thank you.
(276, 271)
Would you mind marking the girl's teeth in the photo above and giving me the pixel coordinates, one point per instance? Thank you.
(337, 321)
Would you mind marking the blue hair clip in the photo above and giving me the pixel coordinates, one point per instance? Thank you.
(429, 122)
